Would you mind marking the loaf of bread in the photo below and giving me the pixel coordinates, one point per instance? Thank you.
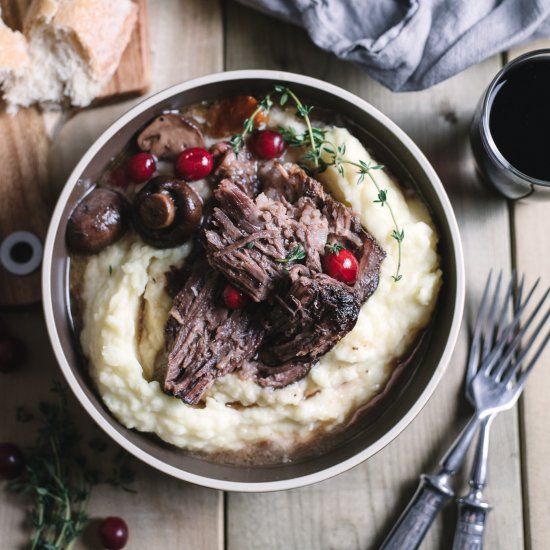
(69, 51)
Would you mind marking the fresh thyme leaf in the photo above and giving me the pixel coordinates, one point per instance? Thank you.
(236, 142)
(297, 253)
(398, 235)
(382, 197)
(250, 245)
(334, 248)
(110, 270)
(57, 479)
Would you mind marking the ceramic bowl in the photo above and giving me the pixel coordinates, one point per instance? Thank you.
(392, 147)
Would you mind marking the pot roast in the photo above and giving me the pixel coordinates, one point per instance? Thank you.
(266, 235)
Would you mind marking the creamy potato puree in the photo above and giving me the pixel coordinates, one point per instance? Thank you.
(126, 307)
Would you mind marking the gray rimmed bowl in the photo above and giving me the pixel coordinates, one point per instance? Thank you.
(392, 147)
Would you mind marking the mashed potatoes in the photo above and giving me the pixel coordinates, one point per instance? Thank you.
(126, 307)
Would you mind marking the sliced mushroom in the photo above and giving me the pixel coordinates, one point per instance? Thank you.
(168, 135)
(166, 212)
(99, 220)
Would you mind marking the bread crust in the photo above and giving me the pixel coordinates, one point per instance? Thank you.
(99, 30)
(14, 56)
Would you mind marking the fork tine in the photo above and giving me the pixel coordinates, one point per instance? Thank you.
(514, 344)
(490, 328)
(514, 370)
(495, 354)
(525, 373)
(473, 358)
(505, 306)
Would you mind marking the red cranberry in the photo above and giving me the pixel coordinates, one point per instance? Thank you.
(194, 164)
(12, 463)
(13, 353)
(141, 167)
(268, 144)
(233, 298)
(341, 264)
(113, 533)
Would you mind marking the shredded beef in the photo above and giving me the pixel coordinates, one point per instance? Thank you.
(204, 339)
(299, 313)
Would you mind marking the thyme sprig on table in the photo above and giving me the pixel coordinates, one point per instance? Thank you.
(322, 154)
(58, 477)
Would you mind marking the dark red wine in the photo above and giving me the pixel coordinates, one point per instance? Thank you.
(519, 119)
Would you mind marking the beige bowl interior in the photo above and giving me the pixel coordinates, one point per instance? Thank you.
(391, 147)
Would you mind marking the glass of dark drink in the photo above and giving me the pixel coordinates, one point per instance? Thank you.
(510, 131)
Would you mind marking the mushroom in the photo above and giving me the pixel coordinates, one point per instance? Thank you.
(98, 220)
(168, 135)
(166, 212)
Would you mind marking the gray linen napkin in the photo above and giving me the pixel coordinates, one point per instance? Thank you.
(413, 44)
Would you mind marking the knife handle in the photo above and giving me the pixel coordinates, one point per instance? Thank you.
(420, 513)
(470, 526)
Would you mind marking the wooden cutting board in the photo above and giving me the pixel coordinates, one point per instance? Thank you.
(26, 196)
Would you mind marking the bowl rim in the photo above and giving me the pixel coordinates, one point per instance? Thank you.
(340, 467)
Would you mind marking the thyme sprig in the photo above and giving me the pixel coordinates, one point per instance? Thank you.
(58, 478)
(237, 140)
(322, 154)
(297, 253)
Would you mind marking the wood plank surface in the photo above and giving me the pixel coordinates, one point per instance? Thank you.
(24, 152)
(356, 509)
(532, 241)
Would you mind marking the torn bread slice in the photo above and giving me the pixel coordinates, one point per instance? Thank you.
(14, 55)
(74, 47)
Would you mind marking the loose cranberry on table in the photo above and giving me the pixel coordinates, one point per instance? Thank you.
(113, 533)
(12, 462)
(233, 298)
(194, 164)
(340, 264)
(267, 144)
(12, 353)
(141, 167)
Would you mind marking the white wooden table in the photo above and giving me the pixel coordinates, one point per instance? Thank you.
(356, 509)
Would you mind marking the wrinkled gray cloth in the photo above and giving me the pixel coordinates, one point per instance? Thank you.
(413, 44)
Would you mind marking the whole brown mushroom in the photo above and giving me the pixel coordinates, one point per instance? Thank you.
(168, 135)
(98, 220)
(166, 212)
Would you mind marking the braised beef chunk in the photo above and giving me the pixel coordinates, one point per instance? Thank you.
(240, 169)
(281, 375)
(309, 320)
(204, 339)
(269, 245)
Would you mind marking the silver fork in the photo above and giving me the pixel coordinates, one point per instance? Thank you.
(496, 382)
(472, 508)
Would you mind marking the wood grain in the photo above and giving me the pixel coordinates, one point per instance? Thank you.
(356, 509)
(24, 181)
(532, 240)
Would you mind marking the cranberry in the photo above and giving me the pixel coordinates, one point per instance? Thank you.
(268, 144)
(141, 167)
(113, 533)
(194, 164)
(12, 353)
(341, 264)
(12, 463)
(233, 297)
